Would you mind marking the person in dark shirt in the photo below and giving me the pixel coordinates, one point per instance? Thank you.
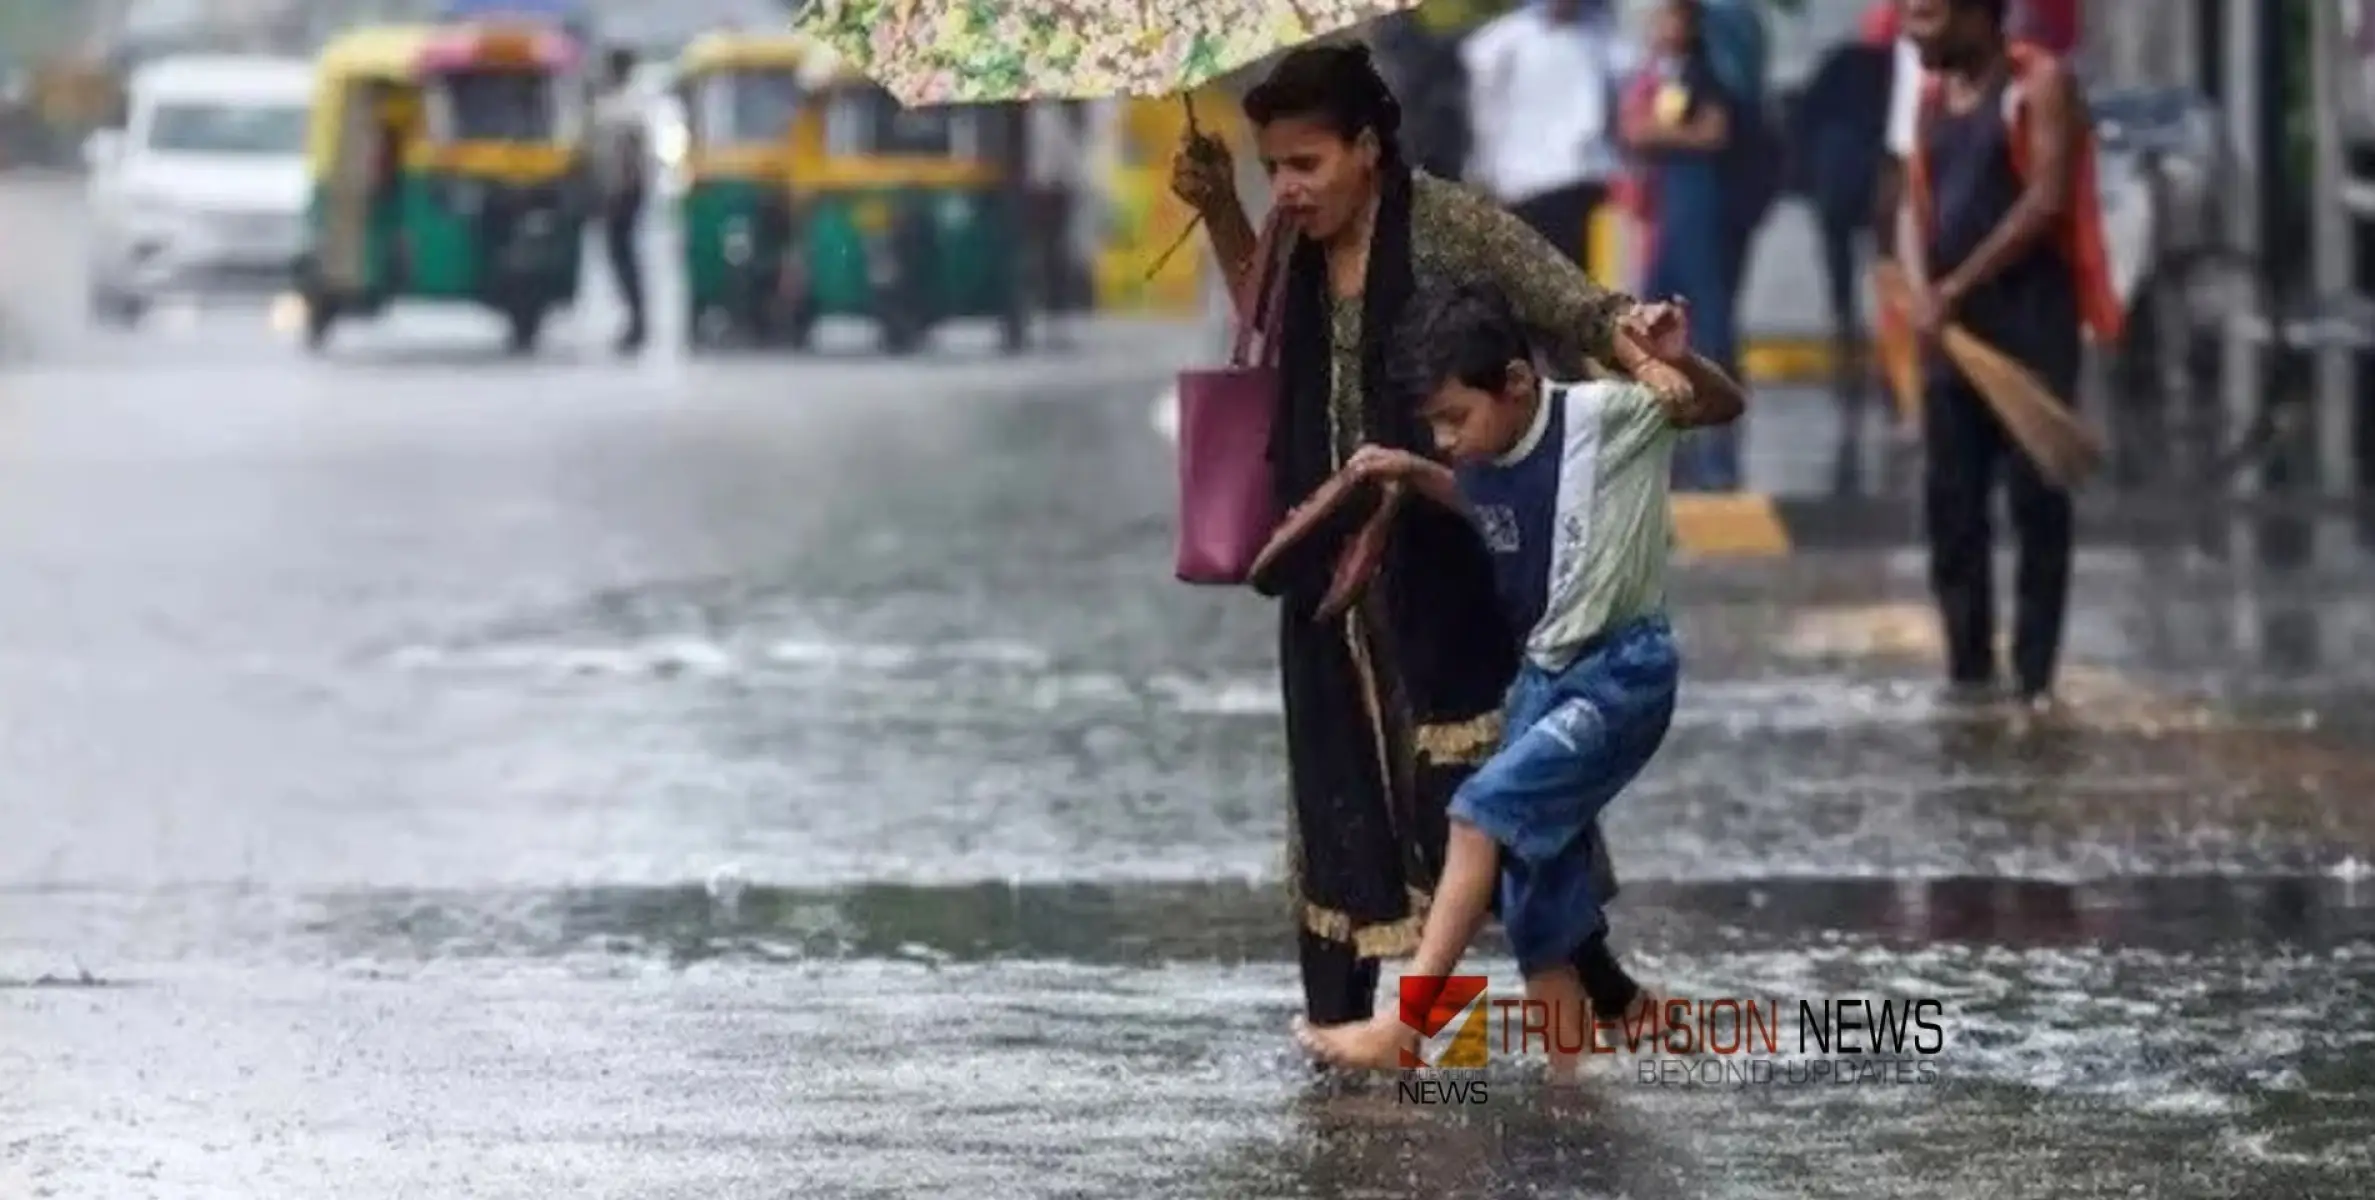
(2000, 233)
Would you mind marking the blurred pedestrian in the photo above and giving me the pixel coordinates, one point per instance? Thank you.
(1057, 161)
(1420, 60)
(2000, 233)
(1840, 135)
(1678, 120)
(1391, 706)
(1542, 94)
(1739, 49)
(622, 166)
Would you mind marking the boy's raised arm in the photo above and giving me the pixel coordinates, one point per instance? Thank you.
(1435, 481)
(1420, 474)
(1662, 332)
(1714, 398)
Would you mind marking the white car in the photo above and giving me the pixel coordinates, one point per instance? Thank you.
(204, 189)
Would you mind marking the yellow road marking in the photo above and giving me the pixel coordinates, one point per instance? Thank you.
(1781, 360)
(1736, 525)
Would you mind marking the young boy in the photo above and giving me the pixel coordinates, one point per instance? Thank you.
(1568, 484)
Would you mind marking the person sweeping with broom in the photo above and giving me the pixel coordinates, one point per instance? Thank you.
(2001, 240)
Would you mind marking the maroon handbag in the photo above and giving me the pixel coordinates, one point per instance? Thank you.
(1228, 505)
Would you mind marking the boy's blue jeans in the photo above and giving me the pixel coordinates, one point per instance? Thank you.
(1570, 740)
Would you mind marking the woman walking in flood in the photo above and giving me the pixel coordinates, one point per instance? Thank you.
(1389, 708)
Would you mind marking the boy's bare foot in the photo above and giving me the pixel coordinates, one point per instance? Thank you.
(1372, 1045)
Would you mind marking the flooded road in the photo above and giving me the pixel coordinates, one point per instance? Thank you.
(428, 774)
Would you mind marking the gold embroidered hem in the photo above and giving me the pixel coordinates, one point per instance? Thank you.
(1391, 939)
(1460, 743)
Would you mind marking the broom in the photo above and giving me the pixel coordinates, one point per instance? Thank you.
(1897, 349)
(2063, 447)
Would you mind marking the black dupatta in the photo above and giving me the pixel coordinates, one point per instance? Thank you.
(1438, 648)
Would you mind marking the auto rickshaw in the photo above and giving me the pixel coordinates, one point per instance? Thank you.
(901, 215)
(740, 93)
(446, 168)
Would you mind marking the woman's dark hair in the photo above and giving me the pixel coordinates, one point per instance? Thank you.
(1994, 10)
(1336, 85)
(1467, 335)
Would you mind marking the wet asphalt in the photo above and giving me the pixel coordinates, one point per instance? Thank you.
(425, 773)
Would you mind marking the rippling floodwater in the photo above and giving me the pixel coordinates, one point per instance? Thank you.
(737, 780)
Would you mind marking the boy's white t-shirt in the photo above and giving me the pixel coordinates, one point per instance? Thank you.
(1577, 515)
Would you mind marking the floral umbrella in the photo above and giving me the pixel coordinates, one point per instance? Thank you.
(980, 51)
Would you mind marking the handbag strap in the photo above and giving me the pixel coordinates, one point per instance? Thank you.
(1262, 317)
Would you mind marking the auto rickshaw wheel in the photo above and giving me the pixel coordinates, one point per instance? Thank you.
(523, 325)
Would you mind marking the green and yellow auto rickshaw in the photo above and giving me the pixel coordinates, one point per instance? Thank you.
(740, 93)
(445, 168)
(902, 216)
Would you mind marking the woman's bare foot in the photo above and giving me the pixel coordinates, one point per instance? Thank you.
(1372, 1045)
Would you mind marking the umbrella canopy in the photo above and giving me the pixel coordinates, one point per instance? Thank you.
(978, 51)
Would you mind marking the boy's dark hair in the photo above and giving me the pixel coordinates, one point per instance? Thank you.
(1467, 335)
(1336, 85)
(1996, 11)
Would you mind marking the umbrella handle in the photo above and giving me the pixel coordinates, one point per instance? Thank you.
(1188, 100)
(1164, 259)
